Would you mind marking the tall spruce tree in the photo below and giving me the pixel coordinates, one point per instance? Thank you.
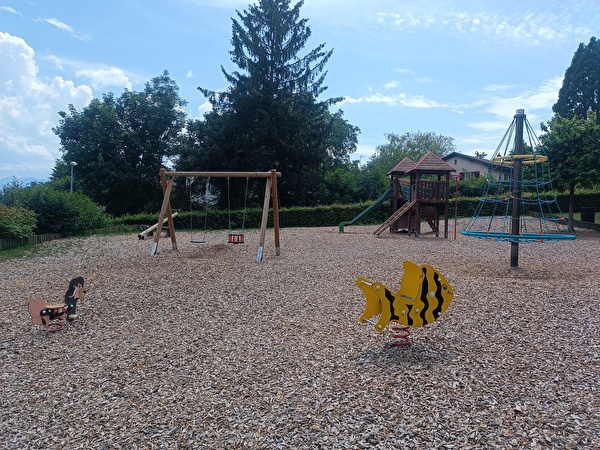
(580, 91)
(270, 116)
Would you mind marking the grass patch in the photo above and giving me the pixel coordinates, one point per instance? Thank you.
(577, 216)
(36, 250)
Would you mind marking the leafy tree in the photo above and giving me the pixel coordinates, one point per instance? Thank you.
(573, 148)
(270, 116)
(412, 144)
(580, 91)
(119, 145)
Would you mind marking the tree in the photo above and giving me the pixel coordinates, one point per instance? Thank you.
(120, 145)
(580, 91)
(270, 116)
(573, 149)
(412, 144)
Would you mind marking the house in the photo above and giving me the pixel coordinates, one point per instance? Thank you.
(468, 166)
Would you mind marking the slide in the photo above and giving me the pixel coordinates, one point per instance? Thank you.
(386, 195)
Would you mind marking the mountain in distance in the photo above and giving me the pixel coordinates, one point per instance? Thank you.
(23, 181)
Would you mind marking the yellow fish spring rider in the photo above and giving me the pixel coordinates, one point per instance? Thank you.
(423, 296)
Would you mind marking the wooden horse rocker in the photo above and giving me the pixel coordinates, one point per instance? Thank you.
(423, 296)
(54, 315)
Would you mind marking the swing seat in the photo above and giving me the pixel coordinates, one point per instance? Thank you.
(194, 241)
(235, 238)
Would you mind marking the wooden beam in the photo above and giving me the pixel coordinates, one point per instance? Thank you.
(223, 174)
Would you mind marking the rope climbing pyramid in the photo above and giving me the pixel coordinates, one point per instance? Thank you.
(518, 202)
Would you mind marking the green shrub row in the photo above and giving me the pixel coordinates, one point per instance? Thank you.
(42, 209)
(320, 216)
(56, 211)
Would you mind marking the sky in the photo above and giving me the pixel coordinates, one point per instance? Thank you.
(457, 68)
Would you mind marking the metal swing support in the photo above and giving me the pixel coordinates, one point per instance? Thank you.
(167, 180)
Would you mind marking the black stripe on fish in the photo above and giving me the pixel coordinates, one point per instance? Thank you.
(390, 298)
(439, 295)
(424, 296)
(409, 320)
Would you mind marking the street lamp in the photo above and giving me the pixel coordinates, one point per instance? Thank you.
(73, 164)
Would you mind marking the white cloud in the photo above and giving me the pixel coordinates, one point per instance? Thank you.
(391, 85)
(500, 108)
(100, 78)
(425, 80)
(10, 10)
(415, 101)
(66, 28)
(189, 74)
(510, 24)
(498, 87)
(204, 108)
(29, 109)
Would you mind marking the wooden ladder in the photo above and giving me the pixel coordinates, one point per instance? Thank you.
(405, 208)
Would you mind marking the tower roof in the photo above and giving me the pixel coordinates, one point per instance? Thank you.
(431, 163)
(403, 166)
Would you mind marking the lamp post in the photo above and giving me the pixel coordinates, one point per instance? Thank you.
(73, 164)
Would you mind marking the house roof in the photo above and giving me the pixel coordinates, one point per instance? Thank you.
(403, 166)
(432, 163)
(469, 157)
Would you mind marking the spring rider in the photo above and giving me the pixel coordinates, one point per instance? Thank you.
(423, 296)
(53, 315)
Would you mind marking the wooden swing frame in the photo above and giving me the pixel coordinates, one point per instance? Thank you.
(167, 178)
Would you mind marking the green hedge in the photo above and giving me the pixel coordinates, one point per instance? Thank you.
(320, 216)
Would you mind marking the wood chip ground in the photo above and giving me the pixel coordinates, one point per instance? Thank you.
(206, 349)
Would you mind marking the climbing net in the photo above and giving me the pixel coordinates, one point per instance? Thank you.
(519, 189)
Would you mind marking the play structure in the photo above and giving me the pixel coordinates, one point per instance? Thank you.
(53, 316)
(423, 296)
(419, 191)
(167, 180)
(518, 203)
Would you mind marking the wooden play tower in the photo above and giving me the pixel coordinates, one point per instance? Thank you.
(421, 193)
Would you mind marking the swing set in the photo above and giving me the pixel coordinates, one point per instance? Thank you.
(234, 237)
(167, 180)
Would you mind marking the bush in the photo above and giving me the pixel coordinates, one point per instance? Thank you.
(57, 211)
(470, 188)
(16, 222)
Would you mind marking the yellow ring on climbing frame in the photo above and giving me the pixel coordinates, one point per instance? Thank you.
(526, 159)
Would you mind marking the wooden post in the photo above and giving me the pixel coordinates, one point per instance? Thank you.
(447, 205)
(275, 210)
(163, 211)
(170, 223)
(263, 224)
